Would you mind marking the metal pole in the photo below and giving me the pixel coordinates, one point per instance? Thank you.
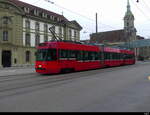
(96, 24)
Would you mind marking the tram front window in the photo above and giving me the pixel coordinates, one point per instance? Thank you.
(46, 55)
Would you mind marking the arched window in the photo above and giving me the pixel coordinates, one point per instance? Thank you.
(28, 56)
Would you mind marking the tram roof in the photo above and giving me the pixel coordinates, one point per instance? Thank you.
(68, 45)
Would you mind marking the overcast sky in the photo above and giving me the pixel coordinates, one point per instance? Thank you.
(110, 14)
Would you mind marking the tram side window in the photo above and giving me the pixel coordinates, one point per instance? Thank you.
(107, 55)
(119, 56)
(46, 55)
(129, 56)
(126, 56)
(93, 56)
(111, 56)
(63, 54)
(52, 55)
(100, 56)
(115, 56)
(85, 55)
(79, 55)
(96, 56)
(90, 56)
(122, 56)
(72, 54)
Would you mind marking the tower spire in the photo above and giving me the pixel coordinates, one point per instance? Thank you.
(128, 6)
(129, 17)
(129, 12)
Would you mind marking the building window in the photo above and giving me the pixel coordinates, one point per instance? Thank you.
(5, 35)
(37, 26)
(45, 28)
(28, 56)
(45, 38)
(52, 17)
(6, 20)
(27, 10)
(58, 19)
(75, 34)
(70, 34)
(37, 39)
(60, 31)
(27, 41)
(127, 24)
(36, 12)
(55, 18)
(44, 15)
(27, 24)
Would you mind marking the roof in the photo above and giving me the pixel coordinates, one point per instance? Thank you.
(76, 23)
(109, 36)
(32, 7)
(62, 19)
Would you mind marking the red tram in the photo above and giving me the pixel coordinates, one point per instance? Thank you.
(59, 56)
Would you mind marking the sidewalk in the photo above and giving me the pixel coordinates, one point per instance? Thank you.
(16, 71)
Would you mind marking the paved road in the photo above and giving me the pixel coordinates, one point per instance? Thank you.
(119, 89)
(16, 71)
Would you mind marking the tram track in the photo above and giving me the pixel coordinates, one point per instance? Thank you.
(34, 82)
(35, 85)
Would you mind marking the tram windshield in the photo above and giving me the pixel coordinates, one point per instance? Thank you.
(46, 55)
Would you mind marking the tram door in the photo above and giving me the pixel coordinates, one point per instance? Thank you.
(6, 58)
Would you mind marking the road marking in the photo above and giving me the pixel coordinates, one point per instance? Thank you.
(148, 77)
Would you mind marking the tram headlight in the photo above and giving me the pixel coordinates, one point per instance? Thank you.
(40, 66)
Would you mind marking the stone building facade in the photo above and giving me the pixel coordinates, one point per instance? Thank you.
(24, 26)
